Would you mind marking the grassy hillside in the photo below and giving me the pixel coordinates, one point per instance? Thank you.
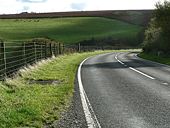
(138, 17)
(67, 30)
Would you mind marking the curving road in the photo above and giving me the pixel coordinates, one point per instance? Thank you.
(126, 91)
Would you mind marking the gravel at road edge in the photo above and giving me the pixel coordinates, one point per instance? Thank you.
(74, 117)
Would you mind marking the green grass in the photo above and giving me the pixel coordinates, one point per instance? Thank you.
(161, 59)
(137, 17)
(35, 105)
(67, 30)
(22, 104)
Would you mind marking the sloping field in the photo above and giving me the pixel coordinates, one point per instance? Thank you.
(138, 17)
(67, 30)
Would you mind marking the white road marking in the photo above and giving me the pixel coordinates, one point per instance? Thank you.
(136, 55)
(85, 103)
(134, 69)
(165, 83)
(119, 60)
(98, 124)
(142, 73)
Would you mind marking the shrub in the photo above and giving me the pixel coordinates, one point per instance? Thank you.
(157, 35)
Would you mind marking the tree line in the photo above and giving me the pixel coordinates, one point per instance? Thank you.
(157, 35)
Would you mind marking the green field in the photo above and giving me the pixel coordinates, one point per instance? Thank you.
(66, 30)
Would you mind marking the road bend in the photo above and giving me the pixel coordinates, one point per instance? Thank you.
(126, 91)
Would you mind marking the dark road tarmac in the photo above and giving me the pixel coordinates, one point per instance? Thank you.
(126, 91)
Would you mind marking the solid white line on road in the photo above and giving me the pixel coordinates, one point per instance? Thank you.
(142, 73)
(134, 69)
(98, 124)
(86, 104)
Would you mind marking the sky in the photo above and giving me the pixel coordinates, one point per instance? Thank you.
(18, 6)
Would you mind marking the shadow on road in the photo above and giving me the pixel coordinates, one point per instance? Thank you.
(113, 65)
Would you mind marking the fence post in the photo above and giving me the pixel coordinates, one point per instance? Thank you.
(63, 49)
(1, 60)
(4, 58)
(35, 51)
(79, 48)
(41, 50)
(59, 48)
(24, 55)
(51, 51)
(55, 49)
(45, 50)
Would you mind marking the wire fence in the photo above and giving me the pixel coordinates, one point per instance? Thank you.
(15, 55)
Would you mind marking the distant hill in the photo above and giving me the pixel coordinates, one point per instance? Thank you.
(138, 17)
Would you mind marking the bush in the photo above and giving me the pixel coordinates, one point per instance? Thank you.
(152, 37)
(162, 17)
(157, 35)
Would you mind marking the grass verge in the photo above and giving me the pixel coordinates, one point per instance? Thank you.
(34, 105)
(161, 59)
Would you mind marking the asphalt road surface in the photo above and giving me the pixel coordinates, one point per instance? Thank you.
(126, 91)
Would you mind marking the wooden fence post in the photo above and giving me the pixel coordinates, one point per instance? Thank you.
(63, 49)
(1, 61)
(24, 54)
(41, 50)
(59, 48)
(45, 50)
(79, 48)
(55, 49)
(35, 51)
(51, 51)
(4, 58)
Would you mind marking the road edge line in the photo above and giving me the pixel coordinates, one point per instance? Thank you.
(91, 123)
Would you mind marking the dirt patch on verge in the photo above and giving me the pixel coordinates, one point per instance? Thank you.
(45, 82)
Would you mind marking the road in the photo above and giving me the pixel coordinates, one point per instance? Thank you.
(126, 91)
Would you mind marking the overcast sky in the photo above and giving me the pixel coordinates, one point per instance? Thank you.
(18, 6)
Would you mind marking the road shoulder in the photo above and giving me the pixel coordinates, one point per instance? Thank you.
(74, 116)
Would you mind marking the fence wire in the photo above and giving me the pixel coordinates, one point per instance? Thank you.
(15, 55)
